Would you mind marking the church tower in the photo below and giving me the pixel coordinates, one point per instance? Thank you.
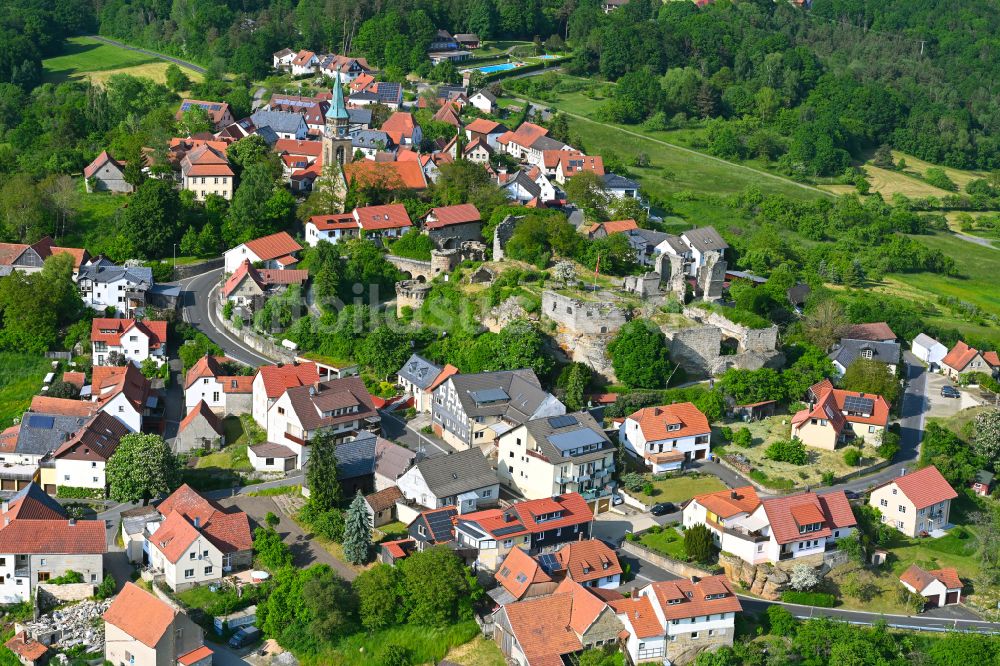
(337, 146)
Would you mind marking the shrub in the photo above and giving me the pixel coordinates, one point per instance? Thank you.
(647, 489)
(726, 433)
(820, 599)
(889, 447)
(828, 478)
(743, 438)
(803, 578)
(632, 481)
(790, 451)
(938, 178)
(782, 622)
(698, 543)
(852, 456)
(67, 578)
(73, 492)
(107, 588)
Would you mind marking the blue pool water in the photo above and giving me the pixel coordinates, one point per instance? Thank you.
(547, 57)
(499, 68)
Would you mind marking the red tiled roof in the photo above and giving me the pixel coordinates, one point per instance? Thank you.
(273, 246)
(692, 597)
(483, 126)
(447, 114)
(447, 371)
(831, 404)
(195, 655)
(201, 409)
(949, 577)
(789, 513)
(278, 378)
(400, 124)
(391, 175)
(390, 216)
(615, 227)
(98, 162)
(588, 560)
(723, 503)
(550, 158)
(303, 57)
(653, 421)
(960, 356)
(206, 366)
(573, 507)
(384, 499)
(924, 487)
(448, 215)
(640, 614)
(542, 627)
(77, 379)
(108, 382)
(53, 537)
(140, 615)
(527, 134)
(63, 406)
(573, 164)
(874, 331)
(97, 440)
(296, 147)
(332, 222)
(519, 571)
(111, 331)
(26, 647)
(228, 530)
(918, 578)
(992, 358)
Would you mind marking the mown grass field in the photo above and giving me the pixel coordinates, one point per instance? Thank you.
(425, 645)
(20, 378)
(85, 58)
(157, 71)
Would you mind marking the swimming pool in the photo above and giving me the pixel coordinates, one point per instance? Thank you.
(547, 57)
(489, 69)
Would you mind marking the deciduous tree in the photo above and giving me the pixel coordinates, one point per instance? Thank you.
(141, 468)
(639, 355)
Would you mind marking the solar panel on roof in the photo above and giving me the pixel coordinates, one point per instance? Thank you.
(508, 530)
(853, 403)
(561, 421)
(548, 562)
(575, 439)
(440, 523)
(41, 421)
(490, 395)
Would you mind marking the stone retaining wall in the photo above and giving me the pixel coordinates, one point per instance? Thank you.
(187, 270)
(247, 336)
(666, 563)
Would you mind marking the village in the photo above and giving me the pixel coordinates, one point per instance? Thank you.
(425, 362)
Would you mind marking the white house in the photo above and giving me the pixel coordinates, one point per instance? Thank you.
(275, 251)
(271, 381)
(775, 529)
(104, 285)
(483, 100)
(666, 437)
(135, 340)
(940, 587)
(81, 461)
(419, 377)
(916, 503)
(464, 479)
(123, 392)
(224, 394)
(928, 350)
(304, 62)
(485, 130)
(621, 187)
(671, 618)
(282, 59)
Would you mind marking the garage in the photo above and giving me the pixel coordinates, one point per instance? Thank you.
(951, 597)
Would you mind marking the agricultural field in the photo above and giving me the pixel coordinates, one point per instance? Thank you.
(20, 378)
(85, 57)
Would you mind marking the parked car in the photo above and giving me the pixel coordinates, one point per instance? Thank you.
(616, 499)
(950, 392)
(851, 495)
(662, 508)
(244, 636)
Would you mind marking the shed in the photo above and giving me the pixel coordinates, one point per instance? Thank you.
(755, 411)
(928, 350)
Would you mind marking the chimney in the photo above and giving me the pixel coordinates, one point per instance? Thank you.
(197, 522)
(635, 593)
(694, 579)
(72, 522)
(733, 494)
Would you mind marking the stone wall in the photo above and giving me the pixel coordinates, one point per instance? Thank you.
(748, 339)
(695, 349)
(676, 567)
(410, 293)
(584, 317)
(259, 343)
(502, 234)
(763, 580)
(452, 236)
(50, 596)
(415, 267)
(187, 270)
(685, 650)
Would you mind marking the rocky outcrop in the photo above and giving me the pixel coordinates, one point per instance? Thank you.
(764, 580)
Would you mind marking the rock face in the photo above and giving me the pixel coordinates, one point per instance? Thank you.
(764, 580)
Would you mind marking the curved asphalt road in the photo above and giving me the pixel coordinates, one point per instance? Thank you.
(176, 61)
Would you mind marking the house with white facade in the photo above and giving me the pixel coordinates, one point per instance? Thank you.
(694, 246)
(127, 395)
(772, 530)
(483, 100)
(39, 541)
(277, 251)
(672, 621)
(962, 359)
(464, 479)
(419, 378)
(140, 629)
(518, 143)
(916, 503)
(104, 285)
(847, 351)
(271, 381)
(225, 394)
(340, 406)
(282, 59)
(206, 170)
(590, 562)
(667, 436)
(473, 410)
(928, 350)
(305, 62)
(939, 587)
(553, 455)
(81, 461)
(135, 340)
(487, 131)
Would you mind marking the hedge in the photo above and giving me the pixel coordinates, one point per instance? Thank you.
(532, 67)
(76, 492)
(820, 599)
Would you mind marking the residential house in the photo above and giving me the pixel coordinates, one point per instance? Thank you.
(522, 188)
(206, 170)
(939, 587)
(141, 629)
(381, 505)
(192, 540)
(473, 410)
(644, 242)
(620, 186)
(437, 57)
(433, 527)
(36, 437)
(331, 228)
(672, 621)
(443, 41)
(553, 455)
(402, 129)
(136, 340)
(467, 40)
(341, 406)
(304, 62)
(39, 541)
(405, 175)
(30, 258)
(546, 630)
(483, 100)
(225, 394)
(298, 152)
(928, 350)
(28, 651)
(465, 480)
(478, 151)
(201, 429)
(104, 285)
(449, 226)
(962, 358)
(605, 229)
(848, 351)
(519, 142)
(106, 174)
(271, 381)
(540, 525)
(484, 129)
(982, 484)
(290, 126)
(390, 552)
(695, 246)
(219, 113)
(81, 461)
(535, 153)
(771, 530)
(241, 129)
(521, 576)
(375, 92)
(127, 395)
(667, 436)
(283, 59)
(835, 416)
(276, 251)
(591, 563)
(387, 221)
(391, 462)
(419, 378)
(371, 142)
(915, 503)
(570, 165)
(448, 114)
(349, 68)
(878, 331)
(249, 287)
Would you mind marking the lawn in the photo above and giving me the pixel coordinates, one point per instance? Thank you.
(424, 645)
(392, 531)
(667, 541)
(233, 456)
(93, 224)
(157, 71)
(83, 55)
(21, 378)
(883, 597)
(479, 651)
(680, 488)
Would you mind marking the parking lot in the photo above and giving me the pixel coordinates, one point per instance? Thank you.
(940, 406)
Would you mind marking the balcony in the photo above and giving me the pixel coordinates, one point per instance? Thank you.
(596, 493)
(22, 572)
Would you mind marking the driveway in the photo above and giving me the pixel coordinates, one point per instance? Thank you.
(396, 428)
(305, 552)
(612, 527)
(942, 407)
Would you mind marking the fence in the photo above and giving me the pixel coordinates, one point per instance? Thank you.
(59, 355)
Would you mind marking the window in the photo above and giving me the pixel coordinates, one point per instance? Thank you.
(215, 396)
(899, 524)
(894, 491)
(204, 553)
(189, 573)
(93, 578)
(208, 571)
(421, 531)
(883, 502)
(488, 492)
(281, 410)
(193, 555)
(902, 509)
(94, 479)
(866, 353)
(66, 477)
(694, 634)
(43, 576)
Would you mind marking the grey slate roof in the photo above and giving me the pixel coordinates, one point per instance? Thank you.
(419, 371)
(392, 460)
(44, 433)
(547, 143)
(613, 181)
(565, 428)
(850, 350)
(359, 116)
(104, 273)
(925, 341)
(356, 458)
(279, 121)
(371, 139)
(651, 237)
(522, 394)
(528, 185)
(705, 239)
(488, 95)
(677, 245)
(457, 473)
